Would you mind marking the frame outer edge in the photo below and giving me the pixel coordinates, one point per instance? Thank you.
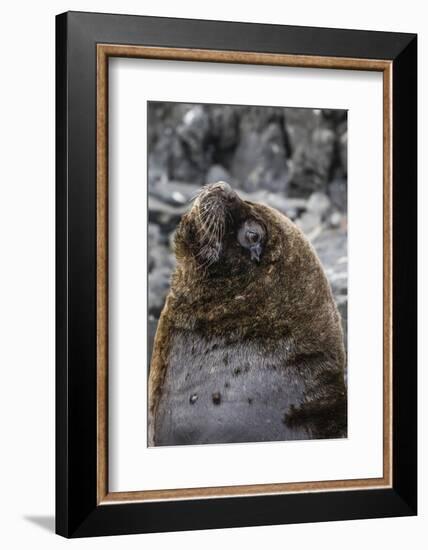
(313, 41)
(405, 274)
(61, 268)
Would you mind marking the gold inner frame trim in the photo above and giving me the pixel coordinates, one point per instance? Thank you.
(104, 51)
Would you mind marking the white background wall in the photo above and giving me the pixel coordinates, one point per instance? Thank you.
(27, 88)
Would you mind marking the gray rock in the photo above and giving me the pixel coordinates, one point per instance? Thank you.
(308, 222)
(278, 149)
(342, 305)
(299, 125)
(290, 206)
(313, 143)
(334, 117)
(161, 257)
(280, 202)
(217, 172)
(335, 220)
(180, 163)
(338, 192)
(171, 238)
(260, 160)
(152, 325)
(175, 193)
(157, 172)
(193, 132)
(159, 155)
(224, 126)
(153, 239)
(318, 203)
(256, 119)
(153, 233)
(331, 247)
(162, 213)
(343, 149)
(158, 283)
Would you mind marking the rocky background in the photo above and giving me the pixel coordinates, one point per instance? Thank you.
(292, 159)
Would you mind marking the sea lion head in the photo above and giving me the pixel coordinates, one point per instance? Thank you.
(225, 235)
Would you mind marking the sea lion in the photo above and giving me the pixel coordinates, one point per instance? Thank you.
(249, 345)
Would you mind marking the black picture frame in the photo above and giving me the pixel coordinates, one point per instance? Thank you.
(77, 512)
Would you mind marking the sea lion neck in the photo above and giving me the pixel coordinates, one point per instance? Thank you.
(239, 295)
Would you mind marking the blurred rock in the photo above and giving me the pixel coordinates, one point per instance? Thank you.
(153, 240)
(300, 124)
(260, 160)
(162, 257)
(308, 222)
(342, 305)
(313, 144)
(159, 158)
(335, 220)
(193, 132)
(217, 172)
(334, 117)
(171, 239)
(175, 193)
(257, 119)
(290, 206)
(181, 166)
(153, 232)
(152, 325)
(343, 151)
(162, 213)
(158, 288)
(319, 204)
(224, 127)
(312, 162)
(338, 192)
(331, 247)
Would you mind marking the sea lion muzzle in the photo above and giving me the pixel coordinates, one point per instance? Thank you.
(256, 252)
(223, 219)
(213, 214)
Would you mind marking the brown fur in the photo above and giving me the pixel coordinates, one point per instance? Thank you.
(286, 296)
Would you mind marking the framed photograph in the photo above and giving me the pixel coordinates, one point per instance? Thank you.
(236, 274)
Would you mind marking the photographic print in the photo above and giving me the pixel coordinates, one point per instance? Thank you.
(247, 261)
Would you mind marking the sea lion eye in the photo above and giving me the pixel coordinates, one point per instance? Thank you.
(253, 237)
(250, 236)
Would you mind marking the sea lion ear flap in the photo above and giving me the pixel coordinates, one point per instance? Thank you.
(256, 252)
